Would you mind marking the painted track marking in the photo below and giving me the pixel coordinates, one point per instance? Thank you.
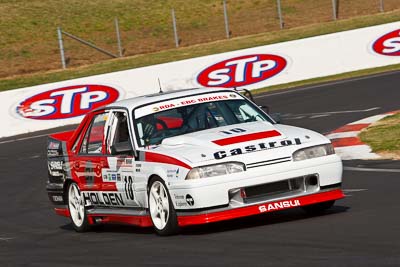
(6, 238)
(327, 113)
(370, 169)
(348, 191)
(342, 135)
(354, 190)
(23, 138)
(347, 142)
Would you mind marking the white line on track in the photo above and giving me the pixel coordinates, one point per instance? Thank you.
(23, 138)
(295, 118)
(356, 152)
(333, 112)
(30, 157)
(329, 84)
(354, 190)
(6, 238)
(370, 169)
(343, 135)
(319, 116)
(347, 191)
(370, 120)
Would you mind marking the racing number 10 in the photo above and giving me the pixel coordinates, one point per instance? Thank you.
(233, 131)
(128, 187)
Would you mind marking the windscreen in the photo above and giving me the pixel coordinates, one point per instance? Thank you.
(179, 119)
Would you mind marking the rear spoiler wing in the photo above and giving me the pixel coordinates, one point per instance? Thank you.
(57, 144)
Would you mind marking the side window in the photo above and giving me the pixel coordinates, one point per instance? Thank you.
(119, 131)
(93, 140)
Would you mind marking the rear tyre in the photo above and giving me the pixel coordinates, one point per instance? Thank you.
(76, 207)
(319, 207)
(162, 211)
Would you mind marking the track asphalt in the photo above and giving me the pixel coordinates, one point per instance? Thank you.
(361, 230)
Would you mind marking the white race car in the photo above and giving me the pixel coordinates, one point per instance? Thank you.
(187, 157)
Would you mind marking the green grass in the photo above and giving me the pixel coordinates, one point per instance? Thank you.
(384, 136)
(210, 48)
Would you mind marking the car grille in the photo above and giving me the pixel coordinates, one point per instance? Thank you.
(271, 189)
(297, 186)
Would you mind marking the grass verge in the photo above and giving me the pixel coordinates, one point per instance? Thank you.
(384, 136)
(212, 48)
(28, 40)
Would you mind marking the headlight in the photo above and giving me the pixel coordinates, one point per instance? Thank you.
(215, 170)
(313, 152)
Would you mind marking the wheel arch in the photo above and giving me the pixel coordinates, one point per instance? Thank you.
(171, 225)
(159, 172)
(149, 180)
(151, 177)
(66, 185)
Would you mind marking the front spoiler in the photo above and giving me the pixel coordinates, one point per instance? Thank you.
(210, 217)
(186, 220)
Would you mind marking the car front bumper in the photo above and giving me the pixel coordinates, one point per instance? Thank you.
(225, 191)
(222, 214)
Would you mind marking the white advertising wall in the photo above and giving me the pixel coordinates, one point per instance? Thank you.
(57, 104)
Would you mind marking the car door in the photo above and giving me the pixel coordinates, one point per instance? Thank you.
(120, 171)
(90, 159)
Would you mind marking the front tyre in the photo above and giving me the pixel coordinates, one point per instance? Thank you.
(161, 209)
(76, 207)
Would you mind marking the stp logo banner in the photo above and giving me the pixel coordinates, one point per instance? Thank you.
(67, 102)
(388, 45)
(241, 71)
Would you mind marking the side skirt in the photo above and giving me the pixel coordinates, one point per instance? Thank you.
(138, 217)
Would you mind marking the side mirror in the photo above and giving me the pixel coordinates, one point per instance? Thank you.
(265, 108)
(246, 93)
(276, 117)
(122, 148)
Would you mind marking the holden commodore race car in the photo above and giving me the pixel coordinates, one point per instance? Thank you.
(187, 157)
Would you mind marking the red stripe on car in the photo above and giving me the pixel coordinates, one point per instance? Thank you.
(246, 137)
(155, 157)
